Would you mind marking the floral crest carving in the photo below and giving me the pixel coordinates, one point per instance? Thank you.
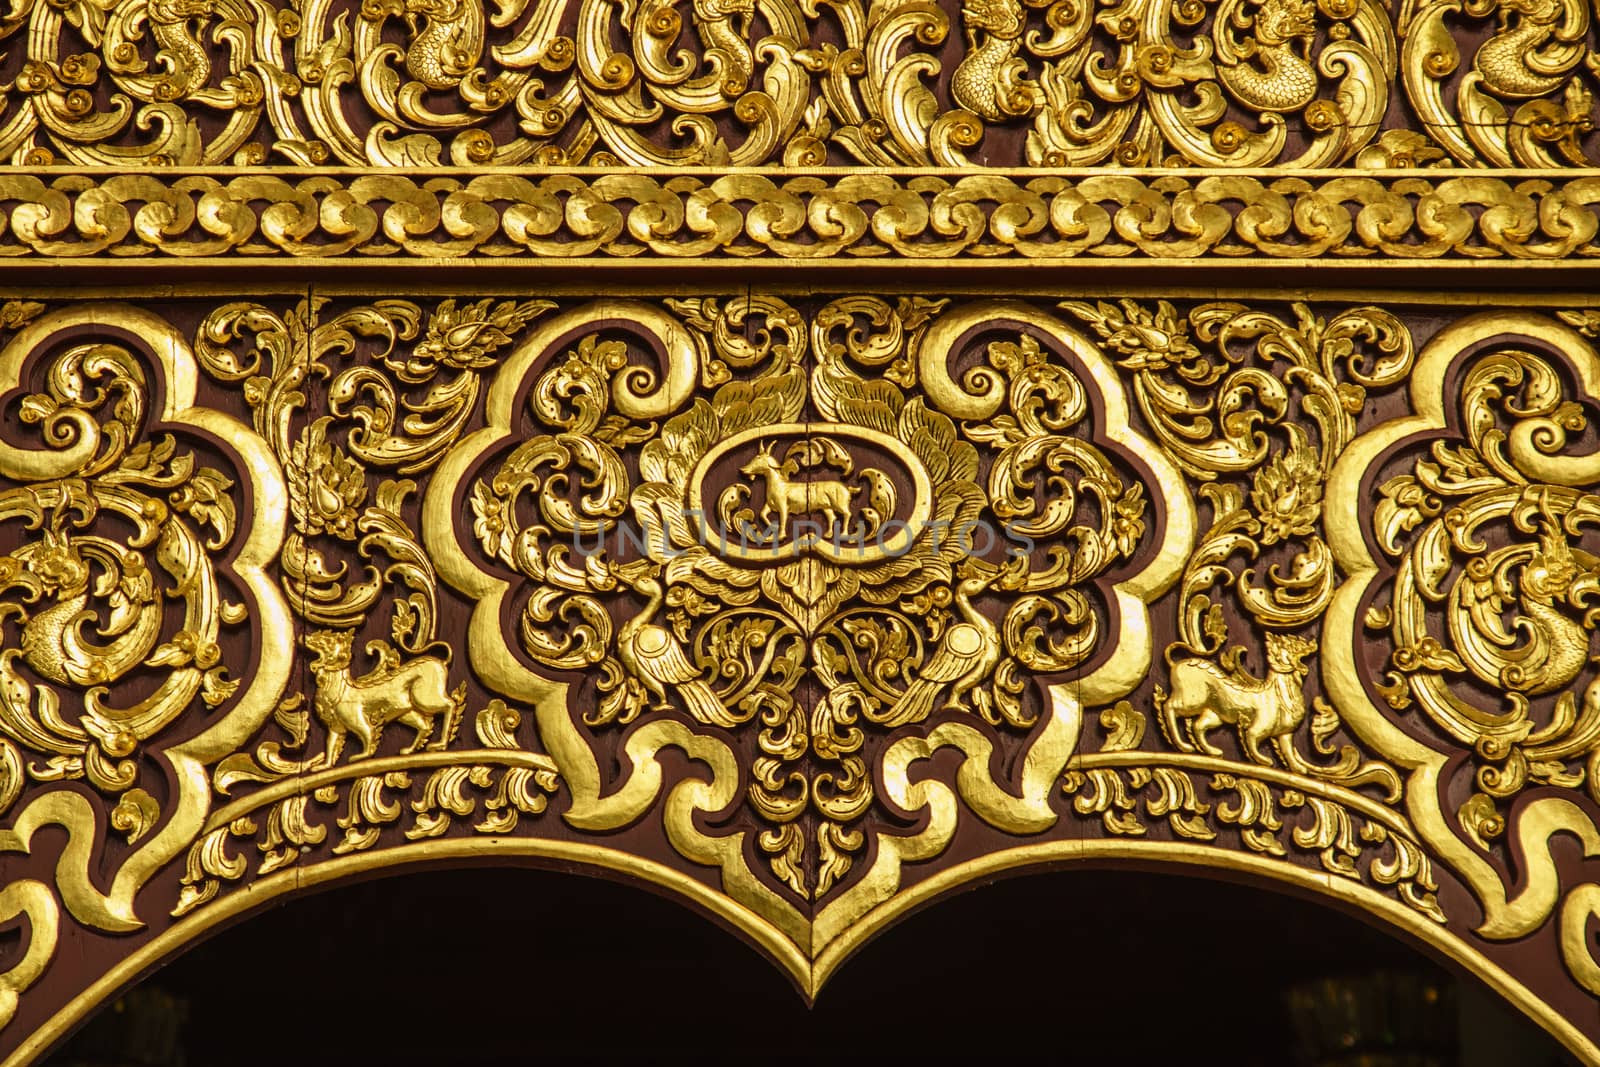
(869, 638)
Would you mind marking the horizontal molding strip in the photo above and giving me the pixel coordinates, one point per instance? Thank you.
(832, 216)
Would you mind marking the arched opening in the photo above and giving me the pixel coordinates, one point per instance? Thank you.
(503, 966)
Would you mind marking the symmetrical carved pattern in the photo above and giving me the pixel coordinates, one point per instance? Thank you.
(819, 556)
(764, 597)
(1213, 83)
(860, 218)
(806, 602)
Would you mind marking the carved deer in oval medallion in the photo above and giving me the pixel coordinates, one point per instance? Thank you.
(786, 498)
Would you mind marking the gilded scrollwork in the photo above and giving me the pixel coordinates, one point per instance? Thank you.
(1470, 571)
(1527, 99)
(514, 219)
(1151, 84)
(802, 567)
(1256, 407)
(348, 807)
(663, 83)
(1207, 802)
(808, 605)
(136, 544)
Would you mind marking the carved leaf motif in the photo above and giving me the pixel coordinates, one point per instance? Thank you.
(846, 714)
(684, 439)
(771, 399)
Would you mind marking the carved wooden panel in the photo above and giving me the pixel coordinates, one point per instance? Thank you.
(806, 607)
(774, 218)
(804, 456)
(1229, 83)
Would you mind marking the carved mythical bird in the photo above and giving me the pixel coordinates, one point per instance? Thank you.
(1558, 646)
(653, 656)
(965, 657)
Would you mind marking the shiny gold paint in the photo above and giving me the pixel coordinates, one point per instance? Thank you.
(1228, 517)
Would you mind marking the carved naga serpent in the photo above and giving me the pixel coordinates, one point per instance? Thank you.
(980, 82)
(1509, 62)
(447, 37)
(51, 640)
(1284, 81)
(189, 65)
(725, 44)
(1561, 646)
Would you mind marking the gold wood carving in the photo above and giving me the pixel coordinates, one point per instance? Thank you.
(808, 603)
(664, 83)
(762, 597)
(132, 557)
(522, 217)
(811, 645)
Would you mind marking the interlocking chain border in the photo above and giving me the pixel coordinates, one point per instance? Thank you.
(835, 217)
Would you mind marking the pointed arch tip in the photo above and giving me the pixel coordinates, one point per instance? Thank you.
(340, 625)
(811, 977)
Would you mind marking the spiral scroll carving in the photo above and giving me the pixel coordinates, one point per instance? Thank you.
(807, 606)
(667, 83)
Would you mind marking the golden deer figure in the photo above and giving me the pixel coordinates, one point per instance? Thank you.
(785, 497)
(414, 693)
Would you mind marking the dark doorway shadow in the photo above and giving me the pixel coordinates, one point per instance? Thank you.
(498, 966)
